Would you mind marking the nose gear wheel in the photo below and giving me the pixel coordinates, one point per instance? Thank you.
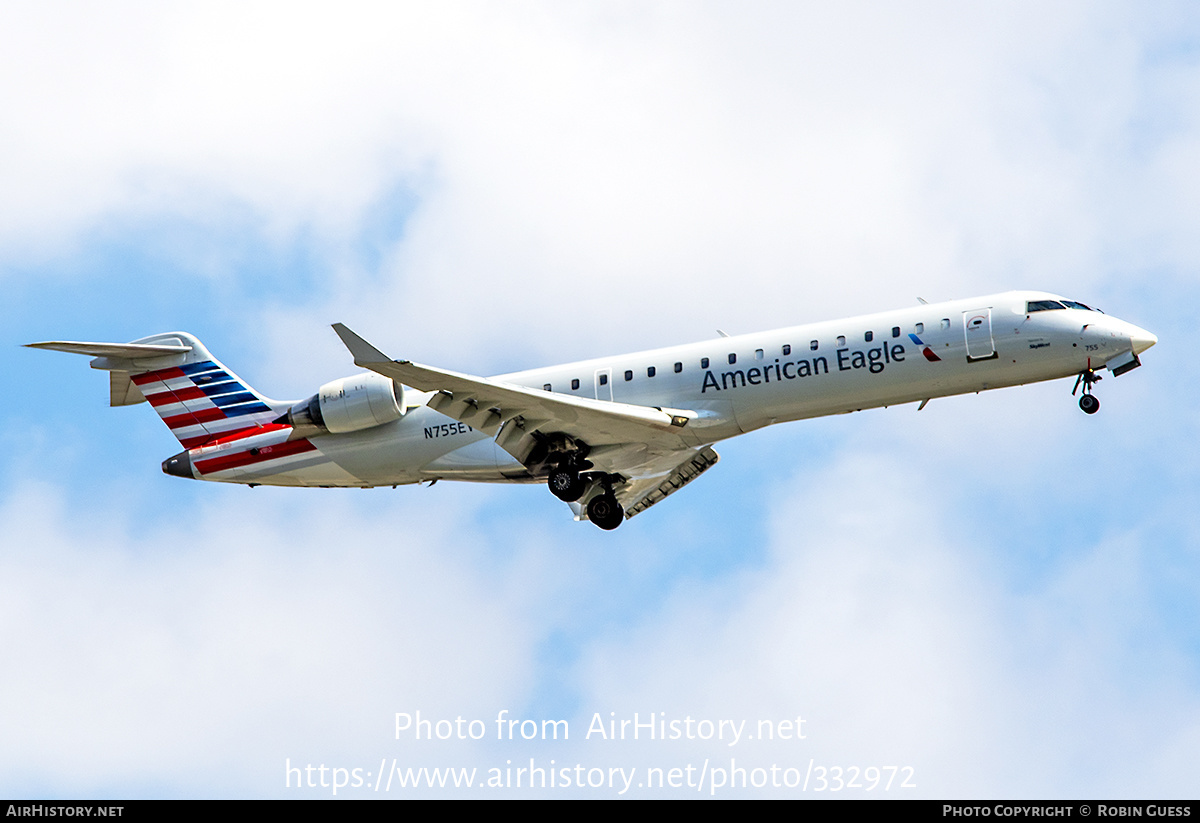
(1088, 402)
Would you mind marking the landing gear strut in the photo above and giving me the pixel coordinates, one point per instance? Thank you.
(1088, 402)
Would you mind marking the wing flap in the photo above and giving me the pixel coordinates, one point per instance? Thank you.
(636, 497)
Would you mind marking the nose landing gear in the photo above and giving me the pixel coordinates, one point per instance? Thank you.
(1088, 402)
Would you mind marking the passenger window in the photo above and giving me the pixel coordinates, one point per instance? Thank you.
(575, 384)
(604, 380)
(841, 340)
(758, 354)
(895, 331)
(650, 371)
(869, 336)
(546, 386)
(945, 323)
(813, 345)
(678, 368)
(732, 358)
(704, 362)
(628, 375)
(787, 349)
(919, 328)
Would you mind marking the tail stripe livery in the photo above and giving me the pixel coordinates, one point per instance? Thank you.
(237, 460)
(230, 394)
(200, 401)
(176, 396)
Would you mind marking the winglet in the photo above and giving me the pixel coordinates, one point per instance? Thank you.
(364, 353)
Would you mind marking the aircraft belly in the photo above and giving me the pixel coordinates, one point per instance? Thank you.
(422, 445)
(313, 471)
(481, 460)
(277, 465)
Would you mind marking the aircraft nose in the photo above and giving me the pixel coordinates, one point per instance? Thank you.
(1141, 339)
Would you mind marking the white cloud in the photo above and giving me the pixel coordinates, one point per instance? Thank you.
(200, 649)
(887, 616)
(594, 166)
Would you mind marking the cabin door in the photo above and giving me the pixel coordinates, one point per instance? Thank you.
(977, 326)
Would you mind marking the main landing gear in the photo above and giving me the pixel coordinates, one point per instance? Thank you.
(605, 511)
(566, 485)
(1088, 402)
(569, 485)
(571, 479)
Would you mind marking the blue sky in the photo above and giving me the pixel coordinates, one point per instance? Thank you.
(998, 591)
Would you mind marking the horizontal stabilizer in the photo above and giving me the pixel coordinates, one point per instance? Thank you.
(127, 351)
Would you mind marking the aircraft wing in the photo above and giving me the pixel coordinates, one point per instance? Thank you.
(649, 488)
(641, 442)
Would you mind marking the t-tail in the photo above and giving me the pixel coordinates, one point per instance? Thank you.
(198, 398)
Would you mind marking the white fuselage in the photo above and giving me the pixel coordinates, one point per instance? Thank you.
(741, 383)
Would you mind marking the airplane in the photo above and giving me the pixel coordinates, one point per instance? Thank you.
(612, 436)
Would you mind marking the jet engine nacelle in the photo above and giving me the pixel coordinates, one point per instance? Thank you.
(351, 404)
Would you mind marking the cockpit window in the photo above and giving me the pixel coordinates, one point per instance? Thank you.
(1042, 305)
(1050, 305)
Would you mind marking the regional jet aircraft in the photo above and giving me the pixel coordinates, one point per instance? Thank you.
(611, 436)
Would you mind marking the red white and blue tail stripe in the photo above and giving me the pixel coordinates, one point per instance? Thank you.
(203, 401)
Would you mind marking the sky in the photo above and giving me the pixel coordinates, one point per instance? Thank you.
(994, 597)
